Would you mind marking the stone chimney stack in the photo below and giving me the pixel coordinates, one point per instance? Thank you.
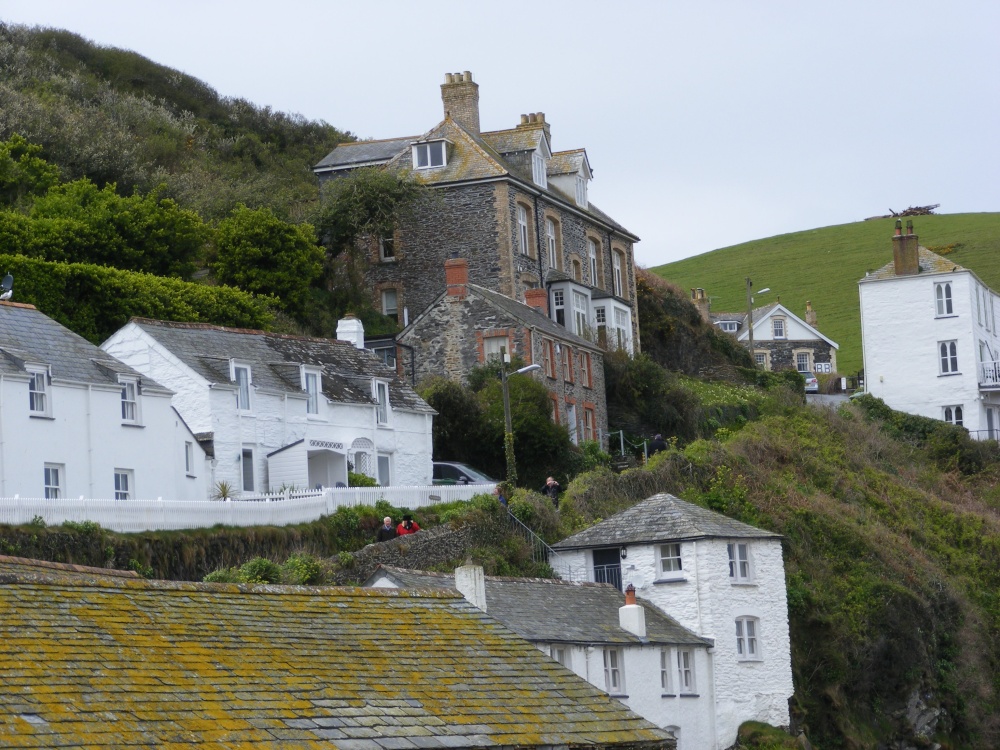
(537, 298)
(810, 314)
(456, 276)
(700, 301)
(632, 617)
(535, 119)
(460, 95)
(351, 330)
(905, 255)
(471, 583)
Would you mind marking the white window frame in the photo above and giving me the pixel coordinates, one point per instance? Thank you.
(189, 458)
(561, 654)
(601, 315)
(496, 347)
(522, 229)
(538, 171)
(748, 638)
(124, 484)
(803, 358)
(312, 385)
(581, 305)
(387, 249)
(686, 683)
(779, 329)
(740, 562)
(729, 326)
(244, 392)
(616, 269)
(390, 310)
(592, 254)
(53, 481)
(130, 401)
(39, 403)
(430, 154)
(954, 415)
(380, 394)
(666, 672)
(670, 563)
(623, 338)
(383, 467)
(248, 474)
(550, 242)
(948, 357)
(589, 426)
(943, 303)
(614, 671)
(581, 191)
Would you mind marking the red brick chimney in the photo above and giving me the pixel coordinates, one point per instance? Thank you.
(905, 255)
(460, 95)
(456, 276)
(537, 298)
(630, 594)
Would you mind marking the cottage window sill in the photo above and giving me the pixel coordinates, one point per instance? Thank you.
(42, 416)
(658, 581)
(620, 696)
(690, 695)
(668, 695)
(134, 424)
(939, 317)
(745, 584)
(948, 374)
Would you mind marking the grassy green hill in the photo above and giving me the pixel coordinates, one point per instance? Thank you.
(824, 266)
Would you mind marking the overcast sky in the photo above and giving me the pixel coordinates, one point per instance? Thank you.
(707, 123)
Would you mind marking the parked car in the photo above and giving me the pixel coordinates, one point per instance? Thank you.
(812, 384)
(452, 472)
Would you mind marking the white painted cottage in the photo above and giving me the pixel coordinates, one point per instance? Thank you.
(722, 579)
(632, 650)
(930, 339)
(278, 411)
(76, 422)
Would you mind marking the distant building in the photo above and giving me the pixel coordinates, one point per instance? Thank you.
(279, 411)
(103, 661)
(722, 579)
(930, 340)
(516, 211)
(467, 325)
(631, 650)
(782, 340)
(77, 422)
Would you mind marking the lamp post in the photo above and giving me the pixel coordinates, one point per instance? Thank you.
(508, 435)
(750, 318)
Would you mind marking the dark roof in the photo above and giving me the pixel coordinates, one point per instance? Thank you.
(129, 664)
(28, 335)
(662, 518)
(544, 609)
(532, 317)
(274, 360)
(361, 153)
(927, 261)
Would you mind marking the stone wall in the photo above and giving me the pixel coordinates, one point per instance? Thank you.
(782, 353)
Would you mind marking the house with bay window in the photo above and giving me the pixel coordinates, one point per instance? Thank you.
(77, 422)
(469, 324)
(516, 210)
(626, 647)
(722, 579)
(930, 340)
(276, 411)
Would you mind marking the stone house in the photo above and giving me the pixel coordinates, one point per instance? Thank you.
(781, 339)
(628, 648)
(516, 211)
(103, 661)
(929, 338)
(278, 411)
(76, 422)
(468, 324)
(722, 579)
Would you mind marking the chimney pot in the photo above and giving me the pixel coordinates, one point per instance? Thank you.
(630, 594)
(524, 119)
(632, 617)
(460, 97)
(905, 252)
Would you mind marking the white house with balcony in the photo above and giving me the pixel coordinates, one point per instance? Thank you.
(276, 411)
(76, 422)
(721, 578)
(930, 340)
(630, 649)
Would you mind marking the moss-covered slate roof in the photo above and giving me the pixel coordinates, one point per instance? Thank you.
(929, 262)
(124, 664)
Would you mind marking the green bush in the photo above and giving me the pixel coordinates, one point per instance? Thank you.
(355, 479)
(301, 569)
(260, 570)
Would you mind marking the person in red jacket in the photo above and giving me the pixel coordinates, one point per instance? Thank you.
(408, 526)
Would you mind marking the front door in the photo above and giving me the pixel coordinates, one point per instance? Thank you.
(608, 566)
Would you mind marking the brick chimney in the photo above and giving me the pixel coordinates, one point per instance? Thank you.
(905, 256)
(351, 330)
(456, 276)
(460, 95)
(538, 298)
(534, 120)
(700, 301)
(471, 583)
(810, 314)
(632, 617)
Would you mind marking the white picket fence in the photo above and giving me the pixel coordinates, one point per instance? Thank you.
(129, 516)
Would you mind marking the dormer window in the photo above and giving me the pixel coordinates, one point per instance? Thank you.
(311, 385)
(581, 191)
(380, 390)
(38, 392)
(430, 155)
(538, 174)
(729, 326)
(130, 400)
(241, 376)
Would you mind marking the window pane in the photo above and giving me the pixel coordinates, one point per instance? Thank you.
(248, 470)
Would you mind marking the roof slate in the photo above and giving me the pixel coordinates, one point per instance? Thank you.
(532, 317)
(549, 610)
(364, 152)
(131, 664)
(929, 263)
(26, 334)
(662, 518)
(274, 359)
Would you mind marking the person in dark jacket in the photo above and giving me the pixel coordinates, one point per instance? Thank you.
(408, 526)
(657, 444)
(386, 531)
(551, 490)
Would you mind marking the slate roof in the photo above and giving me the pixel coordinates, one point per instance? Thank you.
(361, 153)
(929, 263)
(554, 611)
(662, 518)
(515, 139)
(132, 664)
(567, 162)
(28, 335)
(274, 359)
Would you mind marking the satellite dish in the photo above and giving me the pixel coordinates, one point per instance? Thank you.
(6, 287)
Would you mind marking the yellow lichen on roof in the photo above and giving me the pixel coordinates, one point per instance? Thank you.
(138, 663)
(929, 262)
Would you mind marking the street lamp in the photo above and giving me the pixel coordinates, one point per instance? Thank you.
(508, 435)
(750, 317)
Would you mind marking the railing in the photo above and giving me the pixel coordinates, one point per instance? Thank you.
(130, 516)
(542, 552)
(609, 574)
(989, 374)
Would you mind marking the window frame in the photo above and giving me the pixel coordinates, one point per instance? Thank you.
(53, 490)
(669, 561)
(248, 473)
(383, 468)
(616, 273)
(948, 357)
(666, 671)
(581, 191)
(392, 312)
(39, 376)
(741, 570)
(549, 358)
(954, 414)
(807, 356)
(244, 390)
(566, 363)
(387, 249)
(189, 458)
(426, 151)
(561, 654)
(686, 676)
(748, 638)
(581, 312)
(124, 484)
(523, 233)
(312, 400)
(623, 333)
(539, 171)
(551, 243)
(383, 410)
(586, 370)
(130, 387)
(496, 346)
(559, 306)
(589, 424)
(776, 324)
(728, 326)
(592, 256)
(614, 671)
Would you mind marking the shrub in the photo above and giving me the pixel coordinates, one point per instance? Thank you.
(260, 570)
(360, 480)
(301, 569)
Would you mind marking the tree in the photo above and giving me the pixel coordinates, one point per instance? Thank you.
(23, 172)
(258, 252)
